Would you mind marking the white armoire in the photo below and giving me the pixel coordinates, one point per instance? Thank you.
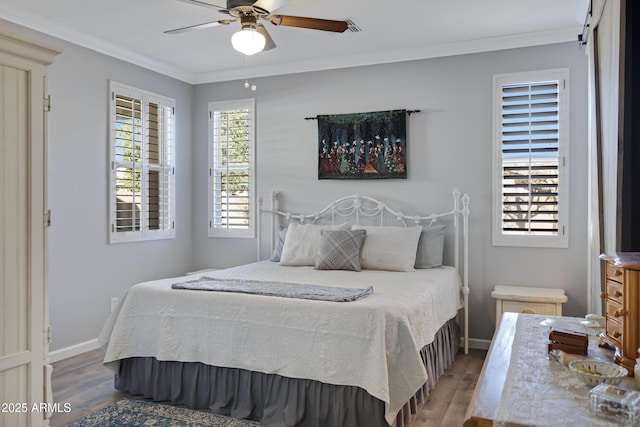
(25, 392)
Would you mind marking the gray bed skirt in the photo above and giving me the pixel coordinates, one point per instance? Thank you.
(274, 400)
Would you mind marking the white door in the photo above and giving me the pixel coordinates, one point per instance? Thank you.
(22, 269)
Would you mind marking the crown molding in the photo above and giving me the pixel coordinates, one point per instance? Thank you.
(407, 54)
(40, 24)
(62, 32)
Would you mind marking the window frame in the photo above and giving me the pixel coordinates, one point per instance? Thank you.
(561, 240)
(229, 105)
(167, 166)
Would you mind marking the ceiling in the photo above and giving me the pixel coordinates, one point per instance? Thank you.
(391, 31)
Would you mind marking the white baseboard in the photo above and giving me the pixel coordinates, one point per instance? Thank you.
(476, 343)
(74, 350)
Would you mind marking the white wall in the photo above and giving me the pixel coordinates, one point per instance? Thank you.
(449, 145)
(84, 270)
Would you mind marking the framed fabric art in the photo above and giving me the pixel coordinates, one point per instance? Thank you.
(363, 145)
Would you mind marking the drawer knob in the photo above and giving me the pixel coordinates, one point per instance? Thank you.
(619, 313)
(617, 273)
(617, 334)
(603, 295)
(618, 294)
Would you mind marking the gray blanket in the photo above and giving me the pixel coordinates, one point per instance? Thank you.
(277, 289)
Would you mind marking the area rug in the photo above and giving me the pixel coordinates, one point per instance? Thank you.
(131, 412)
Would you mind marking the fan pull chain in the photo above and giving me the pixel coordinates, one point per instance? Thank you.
(248, 85)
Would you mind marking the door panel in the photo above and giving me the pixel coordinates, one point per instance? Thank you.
(15, 398)
(13, 211)
(21, 347)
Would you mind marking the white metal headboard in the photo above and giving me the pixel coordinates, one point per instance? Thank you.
(359, 207)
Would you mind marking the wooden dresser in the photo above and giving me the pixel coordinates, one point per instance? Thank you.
(622, 306)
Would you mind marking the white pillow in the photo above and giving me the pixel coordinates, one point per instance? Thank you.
(302, 243)
(390, 248)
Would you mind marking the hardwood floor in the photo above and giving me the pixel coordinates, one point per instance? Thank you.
(86, 385)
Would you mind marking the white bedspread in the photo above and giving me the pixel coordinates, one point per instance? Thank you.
(372, 343)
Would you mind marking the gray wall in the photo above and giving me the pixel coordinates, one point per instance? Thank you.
(84, 270)
(450, 145)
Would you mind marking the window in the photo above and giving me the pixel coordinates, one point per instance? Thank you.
(231, 169)
(142, 173)
(531, 128)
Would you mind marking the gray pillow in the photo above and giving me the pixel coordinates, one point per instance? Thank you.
(277, 249)
(340, 250)
(431, 247)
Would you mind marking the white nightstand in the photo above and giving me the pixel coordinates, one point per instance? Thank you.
(518, 299)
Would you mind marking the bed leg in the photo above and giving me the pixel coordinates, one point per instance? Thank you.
(465, 226)
(466, 320)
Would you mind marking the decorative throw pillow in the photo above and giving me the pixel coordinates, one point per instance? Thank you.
(340, 250)
(302, 243)
(431, 247)
(390, 248)
(277, 248)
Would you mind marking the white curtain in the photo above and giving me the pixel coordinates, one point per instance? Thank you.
(603, 49)
(593, 252)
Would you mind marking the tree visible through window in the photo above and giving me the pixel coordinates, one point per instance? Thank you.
(531, 145)
(231, 188)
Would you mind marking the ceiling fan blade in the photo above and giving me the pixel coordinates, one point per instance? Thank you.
(311, 23)
(194, 27)
(204, 4)
(270, 44)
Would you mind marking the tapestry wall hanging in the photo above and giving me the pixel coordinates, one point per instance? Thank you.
(363, 145)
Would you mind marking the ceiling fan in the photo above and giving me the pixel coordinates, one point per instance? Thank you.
(253, 36)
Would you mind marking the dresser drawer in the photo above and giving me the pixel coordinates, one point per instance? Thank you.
(614, 310)
(615, 291)
(615, 331)
(614, 273)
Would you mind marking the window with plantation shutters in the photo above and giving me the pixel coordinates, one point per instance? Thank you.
(530, 159)
(141, 185)
(231, 169)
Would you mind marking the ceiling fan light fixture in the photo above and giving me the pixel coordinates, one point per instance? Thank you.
(248, 41)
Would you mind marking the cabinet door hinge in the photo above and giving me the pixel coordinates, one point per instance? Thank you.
(47, 218)
(47, 103)
(47, 334)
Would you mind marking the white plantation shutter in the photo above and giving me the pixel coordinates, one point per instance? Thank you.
(159, 172)
(142, 135)
(127, 162)
(231, 169)
(530, 155)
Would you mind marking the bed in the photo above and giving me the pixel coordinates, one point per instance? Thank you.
(287, 361)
